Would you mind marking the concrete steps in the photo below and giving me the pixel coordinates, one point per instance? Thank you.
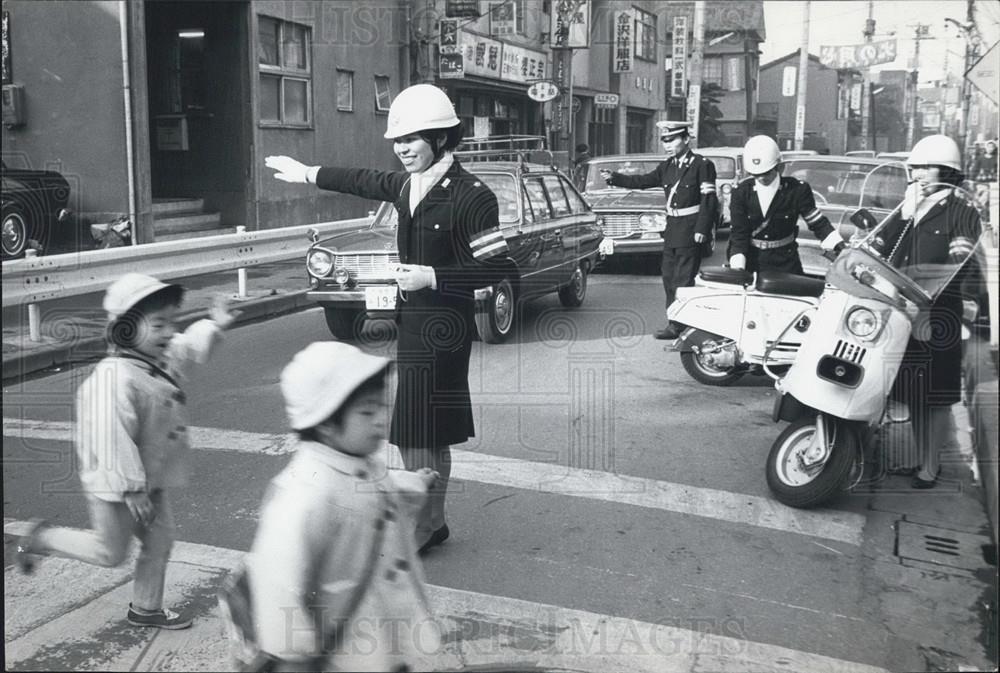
(180, 218)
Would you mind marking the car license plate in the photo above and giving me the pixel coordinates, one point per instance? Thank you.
(380, 298)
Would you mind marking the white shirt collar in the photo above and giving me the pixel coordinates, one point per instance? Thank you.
(766, 194)
(421, 183)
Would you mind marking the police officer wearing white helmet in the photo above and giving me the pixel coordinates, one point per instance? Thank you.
(936, 226)
(765, 210)
(449, 244)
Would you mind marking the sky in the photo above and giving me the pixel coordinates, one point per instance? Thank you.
(842, 22)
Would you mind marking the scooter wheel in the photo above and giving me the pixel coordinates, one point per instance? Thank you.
(704, 372)
(798, 485)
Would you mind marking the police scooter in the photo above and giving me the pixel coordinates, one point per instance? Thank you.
(734, 321)
(835, 392)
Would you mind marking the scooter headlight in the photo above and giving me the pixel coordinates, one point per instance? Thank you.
(319, 263)
(863, 323)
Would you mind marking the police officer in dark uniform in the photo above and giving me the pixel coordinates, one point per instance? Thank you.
(688, 180)
(765, 211)
(449, 243)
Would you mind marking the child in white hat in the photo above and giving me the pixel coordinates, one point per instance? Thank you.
(335, 580)
(131, 441)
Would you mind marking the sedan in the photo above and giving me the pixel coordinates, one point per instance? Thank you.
(34, 206)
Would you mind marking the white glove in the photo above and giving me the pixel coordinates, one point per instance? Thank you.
(738, 262)
(970, 309)
(699, 238)
(289, 169)
(412, 277)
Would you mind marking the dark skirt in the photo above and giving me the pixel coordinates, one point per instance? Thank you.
(433, 405)
(931, 372)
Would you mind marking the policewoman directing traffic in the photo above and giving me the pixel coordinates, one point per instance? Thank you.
(688, 180)
(448, 233)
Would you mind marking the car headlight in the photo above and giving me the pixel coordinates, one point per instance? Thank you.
(319, 263)
(863, 323)
(653, 221)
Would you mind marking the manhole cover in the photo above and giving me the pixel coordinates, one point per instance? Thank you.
(943, 546)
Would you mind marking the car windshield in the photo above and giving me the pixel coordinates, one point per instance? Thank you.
(725, 166)
(841, 183)
(624, 166)
(502, 184)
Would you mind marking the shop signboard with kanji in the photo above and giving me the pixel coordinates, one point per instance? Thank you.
(622, 54)
(519, 64)
(481, 55)
(570, 24)
(678, 75)
(451, 66)
(858, 55)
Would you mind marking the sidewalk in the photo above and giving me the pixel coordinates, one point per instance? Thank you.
(73, 328)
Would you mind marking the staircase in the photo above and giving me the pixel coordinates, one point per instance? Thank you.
(179, 218)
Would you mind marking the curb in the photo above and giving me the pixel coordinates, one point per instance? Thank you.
(24, 363)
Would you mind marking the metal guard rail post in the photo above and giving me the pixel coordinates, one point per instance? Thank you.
(37, 279)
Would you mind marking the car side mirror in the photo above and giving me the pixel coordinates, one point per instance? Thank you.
(863, 219)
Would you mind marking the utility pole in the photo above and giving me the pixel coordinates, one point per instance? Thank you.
(697, 61)
(921, 34)
(866, 83)
(800, 103)
(970, 54)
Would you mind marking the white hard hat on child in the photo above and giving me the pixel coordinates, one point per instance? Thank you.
(935, 150)
(130, 289)
(760, 155)
(321, 377)
(420, 107)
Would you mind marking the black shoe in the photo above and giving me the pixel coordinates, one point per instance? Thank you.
(668, 332)
(161, 619)
(26, 546)
(436, 538)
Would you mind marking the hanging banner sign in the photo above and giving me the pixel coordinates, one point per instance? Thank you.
(570, 24)
(543, 91)
(448, 41)
(451, 66)
(622, 52)
(678, 76)
(858, 55)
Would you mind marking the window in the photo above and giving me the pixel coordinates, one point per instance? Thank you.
(383, 97)
(188, 85)
(556, 195)
(726, 71)
(536, 197)
(645, 35)
(285, 67)
(345, 90)
(576, 203)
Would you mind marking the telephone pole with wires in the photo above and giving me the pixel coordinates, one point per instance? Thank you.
(921, 33)
(866, 84)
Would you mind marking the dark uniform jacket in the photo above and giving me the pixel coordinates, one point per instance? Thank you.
(692, 208)
(794, 199)
(931, 372)
(456, 230)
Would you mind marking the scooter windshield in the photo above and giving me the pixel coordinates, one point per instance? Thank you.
(929, 236)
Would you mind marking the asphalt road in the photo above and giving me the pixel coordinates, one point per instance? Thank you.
(584, 392)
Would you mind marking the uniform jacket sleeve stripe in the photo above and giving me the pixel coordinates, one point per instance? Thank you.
(486, 238)
(813, 216)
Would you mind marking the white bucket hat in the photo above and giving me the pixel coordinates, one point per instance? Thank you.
(130, 289)
(321, 377)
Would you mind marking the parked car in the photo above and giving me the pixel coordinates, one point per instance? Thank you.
(550, 229)
(841, 185)
(792, 154)
(34, 206)
(893, 156)
(728, 173)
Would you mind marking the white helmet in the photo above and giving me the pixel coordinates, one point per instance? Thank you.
(420, 107)
(936, 150)
(760, 155)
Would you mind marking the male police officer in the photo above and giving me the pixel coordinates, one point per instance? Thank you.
(688, 180)
(765, 211)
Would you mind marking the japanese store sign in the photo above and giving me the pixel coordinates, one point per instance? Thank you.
(450, 66)
(481, 55)
(570, 24)
(678, 76)
(487, 57)
(449, 36)
(858, 55)
(521, 65)
(622, 55)
(503, 18)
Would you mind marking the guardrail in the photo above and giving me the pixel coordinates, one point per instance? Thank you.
(38, 279)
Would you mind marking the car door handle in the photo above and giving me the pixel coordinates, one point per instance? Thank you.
(557, 232)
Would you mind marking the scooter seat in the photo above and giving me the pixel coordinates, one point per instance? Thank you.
(723, 274)
(779, 282)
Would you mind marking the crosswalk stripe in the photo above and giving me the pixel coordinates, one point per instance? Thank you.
(482, 629)
(667, 496)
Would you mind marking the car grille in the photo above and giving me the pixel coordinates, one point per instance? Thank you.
(850, 352)
(620, 224)
(367, 266)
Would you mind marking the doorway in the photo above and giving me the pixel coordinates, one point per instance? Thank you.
(200, 111)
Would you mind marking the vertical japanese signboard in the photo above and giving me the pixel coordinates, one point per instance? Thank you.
(8, 74)
(570, 24)
(503, 18)
(449, 36)
(678, 76)
(623, 50)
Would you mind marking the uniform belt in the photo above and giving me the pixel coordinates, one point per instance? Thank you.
(771, 245)
(681, 212)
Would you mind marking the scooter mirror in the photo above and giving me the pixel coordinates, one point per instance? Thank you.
(863, 219)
